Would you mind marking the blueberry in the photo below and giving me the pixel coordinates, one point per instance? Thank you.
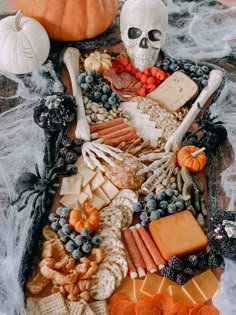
(171, 208)
(86, 248)
(161, 212)
(161, 196)
(64, 239)
(151, 195)
(62, 221)
(204, 83)
(70, 246)
(85, 232)
(195, 79)
(165, 68)
(199, 72)
(174, 67)
(166, 62)
(96, 241)
(86, 86)
(192, 68)
(97, 96)
(179, 62)
(111, 100)
(52, 217)
(155, 215)
(187, 66)
(143, 223)
(163, 204)
(81, 78)
(79, 240)
(66, 229)
(98, 75)
(205, 76)
(104, 98)
(55, 226)
(77, 254)
(137, 207)
(107, 105)
(91, 73)
(65, 212)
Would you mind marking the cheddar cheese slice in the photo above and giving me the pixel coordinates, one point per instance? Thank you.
(207, 284)
(178, 294)
(138, 294)
(164, 286)
(126, 288)
(193, 293)
(151, 284)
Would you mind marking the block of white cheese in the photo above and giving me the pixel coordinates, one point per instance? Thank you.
(175, 91)
(110, 190)
(71, 185)
(97, 202)
(87, 175)
(97, 181)
(87, 191)
(100, 194)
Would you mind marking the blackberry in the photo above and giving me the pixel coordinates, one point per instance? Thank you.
(71, 157)
(77, 142)
(214, 260)
(71, 169)
(168, 273)
(61, 162)
(202, 262)
(66, 142)
(181, 278)
(176, 263)
(188, 271)
(63, 151)
(191, 260)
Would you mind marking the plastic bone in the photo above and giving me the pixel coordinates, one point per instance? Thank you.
(214, 82)
(143, 25)
(71, 60)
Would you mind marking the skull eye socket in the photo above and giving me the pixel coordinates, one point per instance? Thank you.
(134, 33)
(154, 35)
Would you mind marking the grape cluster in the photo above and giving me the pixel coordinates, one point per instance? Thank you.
(69, 154)
(198, 73)
(98, 90)
(157, 206)
(78, 244)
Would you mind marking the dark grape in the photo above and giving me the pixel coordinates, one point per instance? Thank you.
(96, 241)
(79, 240)
(171, 208)
(62, 221)
(59, 211)
(151, 204)
(55, 226)
(66, 229)
(85, 232)
(161, 196)
(65, 212)
(137, 207)
(106, 89)
(52, 217)
(169, 192)
(77, 254)
(154, 215)
(163, 204)
(86, 247)
(70, 246)
(179, 205)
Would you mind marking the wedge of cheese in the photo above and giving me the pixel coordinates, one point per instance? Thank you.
(70, 201)
(71, 185)
(178, 294)
(175, 91)
(138, 294)
(151, 284)
(178, 234)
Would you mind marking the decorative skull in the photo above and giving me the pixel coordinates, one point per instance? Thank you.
(143, 25)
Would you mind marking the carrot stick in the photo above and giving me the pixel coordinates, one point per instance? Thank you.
(133, 251)
(115, 142)
(150, 265)
(132, 270)
(153, 250)
(119, 133)
(106, 125)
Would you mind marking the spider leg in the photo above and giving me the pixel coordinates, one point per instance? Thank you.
(34, 203)
(43, 208)
(26, 201)
(19, 196)
(37, 170)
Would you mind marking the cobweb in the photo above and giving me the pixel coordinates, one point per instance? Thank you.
(21, 147)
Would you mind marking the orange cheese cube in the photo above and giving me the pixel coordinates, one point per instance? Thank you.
(126, 288)
(193, 293)
(138, 295)
(178, 294)
(164, 286)
(207, 284)
(151, 284)
(178, 234)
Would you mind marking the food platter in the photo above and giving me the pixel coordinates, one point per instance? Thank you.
(126, 222)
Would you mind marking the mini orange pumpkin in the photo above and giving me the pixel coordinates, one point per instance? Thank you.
(192, 157)
(71, 20)
(98, 62)
(85, 216)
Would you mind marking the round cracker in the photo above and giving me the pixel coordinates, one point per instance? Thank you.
(102, 285)
(127, 193)
(115, 269)
(112, 243)
(127, 218)
(123, 202)
(119, 259)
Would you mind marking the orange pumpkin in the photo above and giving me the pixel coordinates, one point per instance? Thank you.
(71, 20)
(85, 216)
(192, 157)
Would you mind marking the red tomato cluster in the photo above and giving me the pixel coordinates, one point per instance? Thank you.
(150, 77)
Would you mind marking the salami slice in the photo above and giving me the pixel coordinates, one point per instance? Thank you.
(102, 285)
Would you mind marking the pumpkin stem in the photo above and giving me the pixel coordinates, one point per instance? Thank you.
(194, 154)
(18, 18)
(84, 214)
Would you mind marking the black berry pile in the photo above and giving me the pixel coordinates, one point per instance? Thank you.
(78, 244)
(98, 90)
(157, 206)
(198, 73)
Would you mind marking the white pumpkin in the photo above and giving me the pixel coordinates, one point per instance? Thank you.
(24, 44)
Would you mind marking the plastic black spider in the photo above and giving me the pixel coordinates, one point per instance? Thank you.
(42, 186)
(210, 133)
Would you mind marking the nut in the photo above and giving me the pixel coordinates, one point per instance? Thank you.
(88, 112)
(100, 117)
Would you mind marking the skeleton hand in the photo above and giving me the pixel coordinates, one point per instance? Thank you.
(92, 150)
(162, 170)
